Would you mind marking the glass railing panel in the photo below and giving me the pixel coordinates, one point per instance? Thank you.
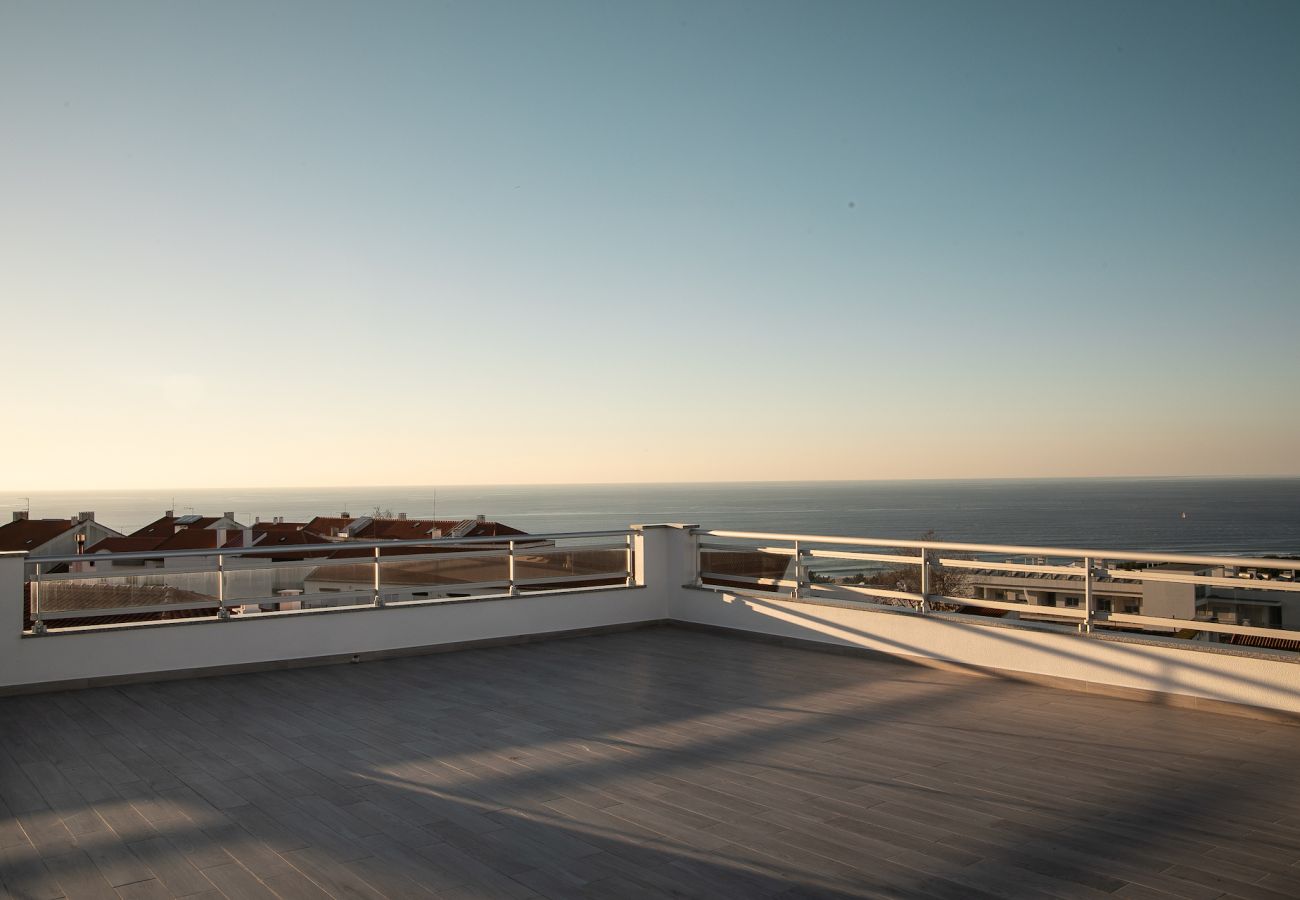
(64, 601)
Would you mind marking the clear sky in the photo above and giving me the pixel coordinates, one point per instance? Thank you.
(436, 243)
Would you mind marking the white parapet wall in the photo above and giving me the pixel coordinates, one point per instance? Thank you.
(87, 655)
(1207, 676)
(665, 569)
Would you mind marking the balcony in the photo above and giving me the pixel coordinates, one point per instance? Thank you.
(683, 741)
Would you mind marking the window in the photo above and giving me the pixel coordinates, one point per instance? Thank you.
(1072, 602)
(1131, 608)
(1104, 604)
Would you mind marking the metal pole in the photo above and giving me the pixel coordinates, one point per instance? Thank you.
(1089, 604)
(378, 598)
(925, 581)
(696, 561)
(510, 567)
(222, 613)
(630, 570)
(38, 626)
(798, 571)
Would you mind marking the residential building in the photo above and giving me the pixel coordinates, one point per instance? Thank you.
(53, 537)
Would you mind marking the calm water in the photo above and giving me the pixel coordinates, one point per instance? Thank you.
(1223, 515)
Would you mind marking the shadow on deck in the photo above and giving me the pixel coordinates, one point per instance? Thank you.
(648, 763)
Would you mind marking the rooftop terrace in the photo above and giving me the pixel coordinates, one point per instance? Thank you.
(660, 761)
(577, 746)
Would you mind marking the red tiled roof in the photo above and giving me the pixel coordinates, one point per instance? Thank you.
(417, 529)
(159, 528)
(492, 529)
(402, 529)
(125, 545)
(274, 540)
(167, 525)
(28, 534)
(279, 526)
(195, 538)
(329, 524)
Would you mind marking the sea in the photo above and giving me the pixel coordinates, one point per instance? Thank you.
(1237, 516)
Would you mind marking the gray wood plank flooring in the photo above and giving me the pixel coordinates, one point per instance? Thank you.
(653, 763)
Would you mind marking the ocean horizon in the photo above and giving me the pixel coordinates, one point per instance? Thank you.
(1238, 515)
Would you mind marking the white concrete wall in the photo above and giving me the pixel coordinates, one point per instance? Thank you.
(1268, 683)
(186, 645)
(664, 565)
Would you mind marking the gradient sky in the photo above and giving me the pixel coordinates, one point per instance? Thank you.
(437, 243)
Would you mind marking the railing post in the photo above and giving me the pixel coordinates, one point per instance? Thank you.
(798, 572)
(38, 625)
(378, 598)
(1089, 603)
(630, 560)
(222, 613)
(924, 605)
(694, 564)
(510, 568)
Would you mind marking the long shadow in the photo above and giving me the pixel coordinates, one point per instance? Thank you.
(402, 773)
(1173, 673)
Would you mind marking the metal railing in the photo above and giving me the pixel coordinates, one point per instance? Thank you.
(1018, 584)
(143, 586)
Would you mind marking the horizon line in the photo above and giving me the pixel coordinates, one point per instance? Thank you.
(665, 483)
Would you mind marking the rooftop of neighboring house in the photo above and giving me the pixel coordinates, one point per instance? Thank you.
(402, 528)
(28, 534)
(169, 524)
(125, 545)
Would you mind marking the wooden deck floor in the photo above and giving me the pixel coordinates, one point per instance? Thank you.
(648, 763)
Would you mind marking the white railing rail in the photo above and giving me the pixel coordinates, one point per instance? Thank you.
(1073, 570)
(523, 570)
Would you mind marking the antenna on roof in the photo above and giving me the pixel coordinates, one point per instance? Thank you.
(435, 504)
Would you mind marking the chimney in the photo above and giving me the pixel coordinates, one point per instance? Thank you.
(345, 515)
(21, 515)
(169, 513)
(257, 520)
(228, 515)
(86, 516)
(401, 516)
(481, 518)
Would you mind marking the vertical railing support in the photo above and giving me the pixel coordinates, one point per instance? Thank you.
(377, 598)
(222, 613)
(695, 561)
(630, 561)
(510, 569)
(798, 572)
(924, 605)
(38, 625)
(1089, 602)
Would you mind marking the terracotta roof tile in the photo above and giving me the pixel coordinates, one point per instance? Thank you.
(28, 534)
(125, 545)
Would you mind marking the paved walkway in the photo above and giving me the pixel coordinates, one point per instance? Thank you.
(648, 763)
